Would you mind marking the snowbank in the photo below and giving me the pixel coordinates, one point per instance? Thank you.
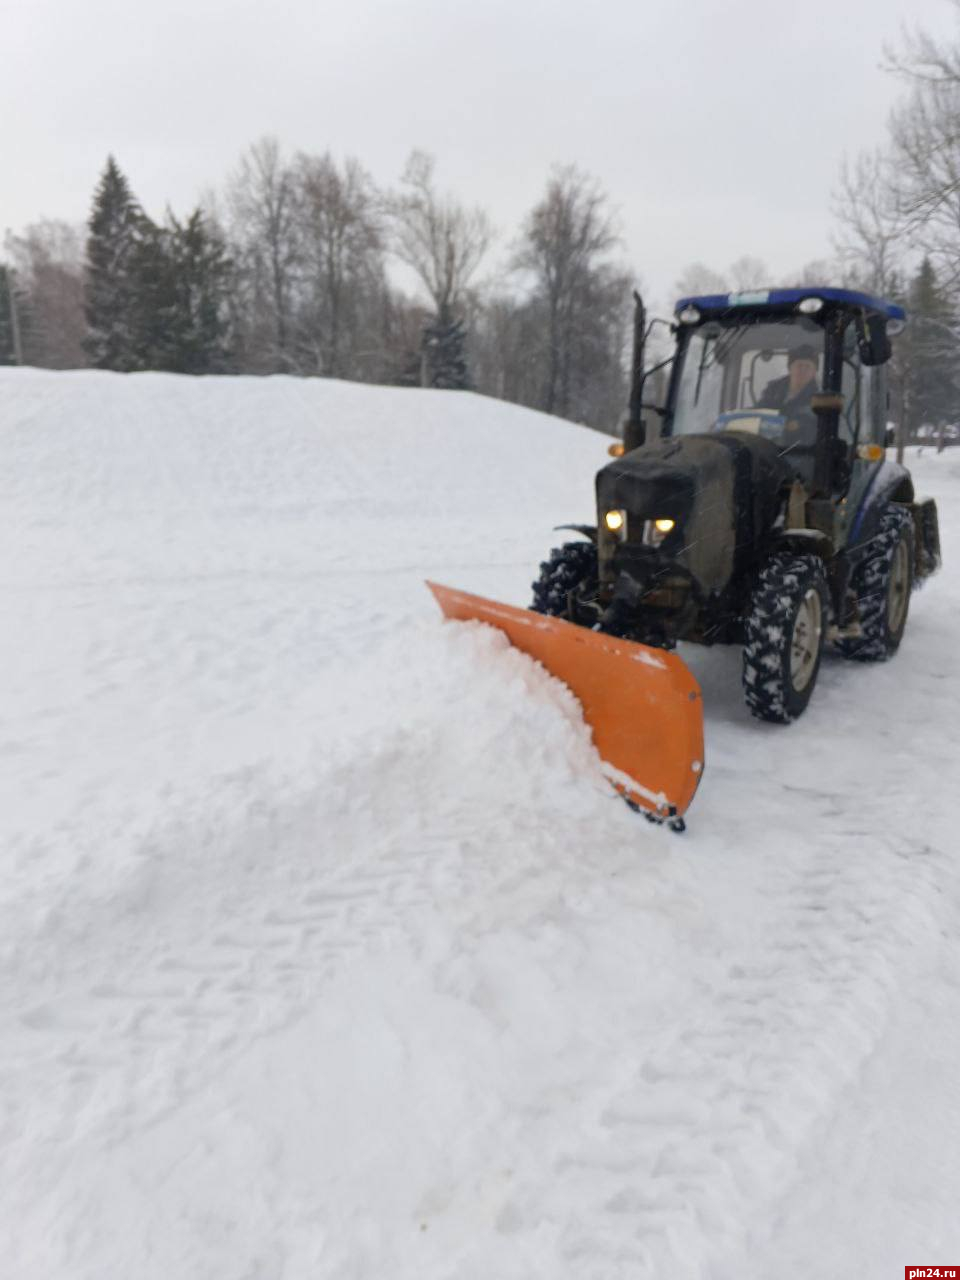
(329, 952)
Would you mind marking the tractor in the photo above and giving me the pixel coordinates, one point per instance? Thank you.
(755, 505)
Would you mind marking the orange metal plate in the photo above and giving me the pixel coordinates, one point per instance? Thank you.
(642, 703)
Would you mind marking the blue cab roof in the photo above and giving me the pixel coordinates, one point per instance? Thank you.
(776, 299)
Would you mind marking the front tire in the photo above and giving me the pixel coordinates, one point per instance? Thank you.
(784, 634)
(569, 567)
(883, 584)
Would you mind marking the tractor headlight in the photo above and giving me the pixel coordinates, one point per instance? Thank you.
(654, 531)
(616, 522)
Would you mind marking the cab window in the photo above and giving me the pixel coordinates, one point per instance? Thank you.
(854, 386)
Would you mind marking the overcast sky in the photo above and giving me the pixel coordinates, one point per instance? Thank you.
(716, 128)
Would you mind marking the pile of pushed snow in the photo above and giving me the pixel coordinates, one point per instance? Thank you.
(328, 951)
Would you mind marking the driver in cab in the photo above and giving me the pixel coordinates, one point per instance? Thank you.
(793, 394)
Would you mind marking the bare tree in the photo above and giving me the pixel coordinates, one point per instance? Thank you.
(341, 234)
(819, 271)
(748, 273)
(563, 250)
(263, 202)
(870, 241)
(442, 241)
(699, 279)
(48, 264)
(925, 134)
(506, 343)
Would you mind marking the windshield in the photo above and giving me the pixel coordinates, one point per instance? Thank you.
(757, 378)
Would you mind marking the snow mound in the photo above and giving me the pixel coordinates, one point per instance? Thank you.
(328, 950)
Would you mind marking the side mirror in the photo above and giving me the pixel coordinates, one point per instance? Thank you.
(890, 437)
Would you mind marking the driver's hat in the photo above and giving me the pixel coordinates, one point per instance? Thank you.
(803, 353)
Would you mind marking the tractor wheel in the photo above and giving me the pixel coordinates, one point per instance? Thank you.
(569, 566)
(784, 633)
(883, 583)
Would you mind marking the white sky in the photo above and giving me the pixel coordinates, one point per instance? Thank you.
(716, 128)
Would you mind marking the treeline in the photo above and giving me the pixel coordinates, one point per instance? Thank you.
(305, 265)
(898, 214)
(293, 268)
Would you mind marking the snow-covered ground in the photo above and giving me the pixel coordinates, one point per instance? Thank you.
(326, 950)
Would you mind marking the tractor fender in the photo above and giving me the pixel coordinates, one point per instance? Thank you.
(588, 530)
(891, 482)
(804, 542)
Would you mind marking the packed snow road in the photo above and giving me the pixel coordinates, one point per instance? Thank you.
(327, 950)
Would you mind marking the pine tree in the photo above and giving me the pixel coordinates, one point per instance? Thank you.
(933, 352)
(443, 353)
(197, 315)
(7, 343)
(117, 232)
(153, 302)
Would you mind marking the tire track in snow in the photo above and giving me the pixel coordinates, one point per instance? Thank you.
(246, 903)
(681, 1156)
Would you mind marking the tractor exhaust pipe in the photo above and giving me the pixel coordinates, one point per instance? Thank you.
(634, 428)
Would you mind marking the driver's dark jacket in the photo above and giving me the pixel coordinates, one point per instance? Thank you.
(777, 396)
(800, 435)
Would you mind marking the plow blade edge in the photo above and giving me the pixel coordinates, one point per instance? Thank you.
(642, 703)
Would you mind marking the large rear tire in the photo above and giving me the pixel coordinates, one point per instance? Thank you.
(883, 583)
(569, 567)
(784, 633)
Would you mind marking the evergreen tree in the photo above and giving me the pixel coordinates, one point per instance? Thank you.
(443, 353)
(933, 350)
(7, 343)
(197, 309)
(156, 297)
(152, 343)
(117, 231)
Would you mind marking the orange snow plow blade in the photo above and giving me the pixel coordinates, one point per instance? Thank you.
(643, 705)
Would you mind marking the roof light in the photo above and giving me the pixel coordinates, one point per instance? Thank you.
(689, 315)
(810, 306)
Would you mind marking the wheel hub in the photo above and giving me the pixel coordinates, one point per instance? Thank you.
(805, 642)
(898, 588)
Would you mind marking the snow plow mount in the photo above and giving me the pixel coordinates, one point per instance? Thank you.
(642, 703)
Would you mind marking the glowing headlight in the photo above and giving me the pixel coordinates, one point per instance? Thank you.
(616, 521)
(654, 531)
